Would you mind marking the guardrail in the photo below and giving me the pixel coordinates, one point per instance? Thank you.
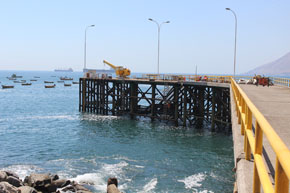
(281, 81)
(253, 143)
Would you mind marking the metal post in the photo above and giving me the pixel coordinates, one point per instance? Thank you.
(159, 27)
(236, 29)
(85, 47)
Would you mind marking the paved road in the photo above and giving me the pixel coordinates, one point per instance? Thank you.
(274, 103)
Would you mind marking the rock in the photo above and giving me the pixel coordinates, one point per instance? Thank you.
(12, 174)
(79, 187)
(112, 181)
(70, 188)
(3, 176)
(61, 183)
(112, 189)
(14, 181)
(5, 187)
(54, 177)
(75, 188)
(112, 185)
(26, 189)
(50, 187)
(37, 180)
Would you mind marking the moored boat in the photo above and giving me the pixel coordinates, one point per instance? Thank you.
(60, 81)
(49, 86)
(66, 78)
(67, 84)
(7, 86)
(26, 84)
(48, 82)
(33, 80)
(75, 82)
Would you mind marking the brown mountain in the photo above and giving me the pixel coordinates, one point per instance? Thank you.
(279, 67)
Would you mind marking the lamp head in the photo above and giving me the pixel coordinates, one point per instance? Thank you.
(228, 9)
(92, 25)
(167, 22)
(150, 19)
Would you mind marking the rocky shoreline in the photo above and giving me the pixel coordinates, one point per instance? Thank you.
(38, 183)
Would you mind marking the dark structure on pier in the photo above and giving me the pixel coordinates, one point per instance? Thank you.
(178, 102)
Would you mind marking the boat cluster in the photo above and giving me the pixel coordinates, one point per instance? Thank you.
(34, 183)
(48, 84)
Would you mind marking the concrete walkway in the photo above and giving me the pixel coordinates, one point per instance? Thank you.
(274, 103)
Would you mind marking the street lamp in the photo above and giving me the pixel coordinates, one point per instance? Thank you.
(236, 26)
(159, 26)
(85, 54)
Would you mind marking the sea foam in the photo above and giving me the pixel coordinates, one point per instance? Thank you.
(193, 180)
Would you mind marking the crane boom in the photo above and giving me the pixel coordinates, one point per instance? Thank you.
(120, 70)
(111, 65)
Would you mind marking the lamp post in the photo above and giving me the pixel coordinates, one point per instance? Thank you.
(85, 51)
(159, 27)
(236, 26)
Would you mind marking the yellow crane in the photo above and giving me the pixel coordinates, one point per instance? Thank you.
(120, 70)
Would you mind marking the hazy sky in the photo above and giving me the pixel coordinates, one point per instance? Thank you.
(44, 35)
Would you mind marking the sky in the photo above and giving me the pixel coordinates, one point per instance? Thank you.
(44, 35)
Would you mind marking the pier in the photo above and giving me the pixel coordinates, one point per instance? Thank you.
(257, 116)
(179, 102)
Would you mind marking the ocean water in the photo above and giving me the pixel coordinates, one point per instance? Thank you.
(42, 131)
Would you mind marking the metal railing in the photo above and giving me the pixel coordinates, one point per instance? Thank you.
(281, 81)
(253, 143)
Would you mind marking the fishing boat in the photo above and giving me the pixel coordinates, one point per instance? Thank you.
(66, 78)
(26, 84)
(75, 82)
(67, 84)
(50, 82)
(49, 86)
(7, 86)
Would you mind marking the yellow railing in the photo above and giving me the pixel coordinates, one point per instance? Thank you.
(253, 143)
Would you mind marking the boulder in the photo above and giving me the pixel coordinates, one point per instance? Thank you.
(54, 177)
(5, 187)
(26, 189)
(112, 186)
(112, 189)
(61, 183)
(37, 180)
(49, 188)
(112, 181)
(3, 176)
(74, 187)
(69, 188)
(9, 173)
(79, 187)
(14, 181)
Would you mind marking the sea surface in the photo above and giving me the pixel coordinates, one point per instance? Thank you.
(41, 130)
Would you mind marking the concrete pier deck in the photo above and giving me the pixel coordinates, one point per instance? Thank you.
(274, 103)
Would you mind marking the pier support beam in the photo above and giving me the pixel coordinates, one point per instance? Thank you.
(176, 102)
